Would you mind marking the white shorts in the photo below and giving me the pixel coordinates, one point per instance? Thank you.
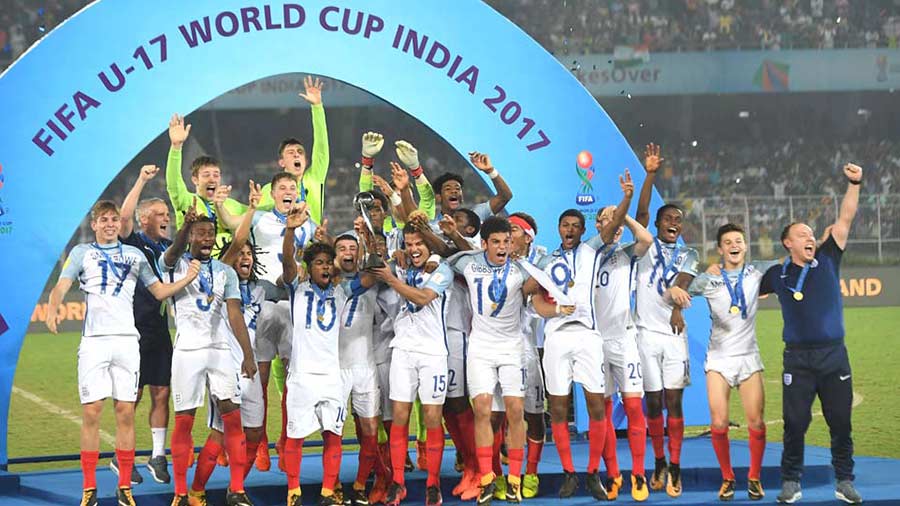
(273, 331)
(108, 366)
(664, 361)
(735, 370)
(534, 384)
(418, 373)
(314, 404)
(193, 371)
(360, 384)
(623, 364)
(383, 371)
(456, 364)
(574, 353)
(484, 373)
(252, 406)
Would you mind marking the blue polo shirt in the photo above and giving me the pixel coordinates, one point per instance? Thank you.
(150, 316)
(818, 319)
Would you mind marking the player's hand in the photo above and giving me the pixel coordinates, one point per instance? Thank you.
(408, 154)
(193, 269)
(481, 161)
(178, 132)
(400, 176)
(359, 226)
(52, 320)
(382, 273)
(853, 172)
(419, 220)
(372, 143)
(448, 225)
(433, 262)
(679, 296)
(676, 321)
(313, 93)
(248, 367)
(382, 185)
(714, 270)
(255, 195)
(652, 158)
(297, 216)
(566, 310)
(190, 216)
(148, 172)
(321, 233)
(221, 194)
(399, 257)
(626, 184)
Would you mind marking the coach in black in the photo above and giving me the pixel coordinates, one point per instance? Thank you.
(815, 359)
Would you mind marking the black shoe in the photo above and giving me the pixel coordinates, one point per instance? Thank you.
(89, 497)
(726, 491)
(136, 478)
(159, 469)
(355, 497)
(569, 485)
(660, 472)
(673, 485)
(755, 490)
(595, 485)
(486, 495)
(433, 496)
(179, 500)
(845, 491)
(124, 496)
(237, 499)
(330, 500)
(396, 493)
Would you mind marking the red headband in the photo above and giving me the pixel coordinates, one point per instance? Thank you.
(519, 222)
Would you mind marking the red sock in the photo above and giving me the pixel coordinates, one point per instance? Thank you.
(535, 448)
(757, 449)
(676, 436)
(399, 445)
(434, 449)
(484, 454)
(563, 445)
(451, 421)
(516, 456)
(283, 436)
(637, 433)
(126, 464)
(596, 442)
(252, 448)
(657, 429)
(495, 451)
(466, 421)
(181, 450)
(89, 468)
(331, 459)
(206, 463)
(235, 448)
(609, 448)
(368, 454)
(723, 453)
(293, 453)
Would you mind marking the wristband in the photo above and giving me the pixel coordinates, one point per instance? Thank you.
(557, 309)
(367, 161)
(417, 171)
(855, 182)
(396, 201)
(493, 174)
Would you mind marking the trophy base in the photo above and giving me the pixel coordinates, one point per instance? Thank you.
(373, 262)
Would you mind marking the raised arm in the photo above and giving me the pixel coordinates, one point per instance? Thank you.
(449, 228)
(175, 187)
(162, 291)
(608, 233)
(435, 243)
(372, 142)
(642, 237)
(841, 229)
(181, 237)
(131, 200)
(231, 221)
(482, 162)
(296, 217)
(314, 177)
(651, 164)
(242, 233)
(409, 155)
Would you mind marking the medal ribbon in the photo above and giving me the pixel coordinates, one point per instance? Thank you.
(738, 299)
(110, 263)
(662, 283)
(800, 279)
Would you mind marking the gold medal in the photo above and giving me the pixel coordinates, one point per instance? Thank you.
(798, 296)
(321, 317)
(571, 284)
(493, 307)
(209, 299)
(735, 310)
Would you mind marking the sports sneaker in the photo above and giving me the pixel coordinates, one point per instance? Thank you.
(569, 485)
(159, 469)
(89, 497)
(378, 494)
(595, 485)
(468, 482)
(356, 497)
(500, 487)
(237, 499)
(262, 461)
(421, 460)
(514, 489)
(180, 500)
(433, 496)
(530, 484)
(396, 493)
(613, 485)
(673, 484)
(755, 490)
(486, 494)
(124, 496)
(658, 479)
(639, 491)
(330, 500)
(845, 491)
(294, 497)
(790, 492)
(726, 491)
(197, 498)
(136, 478)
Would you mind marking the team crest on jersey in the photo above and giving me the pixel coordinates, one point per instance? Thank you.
(788, 379)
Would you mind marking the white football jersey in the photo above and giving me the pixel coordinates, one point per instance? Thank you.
(388, 309)
(498, 306)
(201, 315)
(107, 275)
(423, 328)
(459, 308)
(533, 323)
(613, 282)
(656, 271)
(252, 297)
(267, 234)
(573, 272)
(316, 314)
(357, 328)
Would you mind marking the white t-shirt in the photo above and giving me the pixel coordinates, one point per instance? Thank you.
(656, 271)
(573, 272)
(388, 309)
(423, 328)
(252, 297)
(107, 275)
(315, 314)
(612, 288)
(201, 314)
(267, 233)
(357, 327)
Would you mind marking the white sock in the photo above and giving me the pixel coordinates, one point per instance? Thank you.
(159, 441)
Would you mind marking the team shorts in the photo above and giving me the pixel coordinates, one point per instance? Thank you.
(383, 372)
(573, 353)
(415, 373)
(108, 366)
(534, 384)
(456, 364)
(664, 360)
(252, 406)
(485, 371)
(195, 371)
(274, 331)
(623, 364)
(360, 384)
(315, 404)
(735, 370)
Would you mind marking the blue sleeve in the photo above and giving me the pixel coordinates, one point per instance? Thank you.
(691, 263)
(353, 287)
(73, 266)
(146, 274)
(440, 279)
(232, 285)
(768, 280)
(830, 249)
(483, 210)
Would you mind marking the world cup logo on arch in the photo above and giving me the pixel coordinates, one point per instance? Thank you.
(584, 167)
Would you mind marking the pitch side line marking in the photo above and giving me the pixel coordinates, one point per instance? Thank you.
(64, 413)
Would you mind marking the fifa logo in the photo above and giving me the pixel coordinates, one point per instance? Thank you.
(584, 167)
(881, 65)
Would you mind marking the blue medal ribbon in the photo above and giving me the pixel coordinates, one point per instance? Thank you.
(497, 284)
(207, 282)
(109, 261)
(282, 218)
(212, 215)
(568, 270)
(245, 293)
(605, 258)
(663, 282)
(798, 289)
(323, 295)
(736, 292)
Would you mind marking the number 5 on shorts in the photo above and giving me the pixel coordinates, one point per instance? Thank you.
(440, 383)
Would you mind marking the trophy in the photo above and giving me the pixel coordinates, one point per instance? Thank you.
(364, 201)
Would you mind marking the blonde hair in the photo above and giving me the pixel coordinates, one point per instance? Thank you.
(102, 207)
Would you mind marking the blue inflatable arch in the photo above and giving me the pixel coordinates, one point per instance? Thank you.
(79, 105)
